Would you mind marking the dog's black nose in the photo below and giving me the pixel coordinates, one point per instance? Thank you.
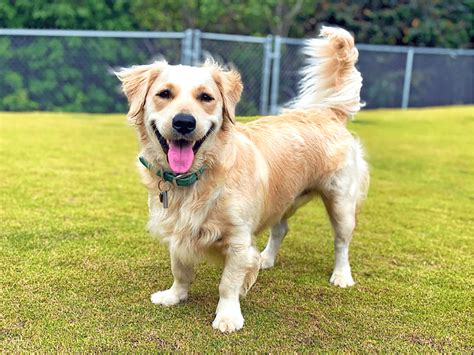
(184, 123)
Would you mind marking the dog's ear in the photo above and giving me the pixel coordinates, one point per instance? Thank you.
(136, 82)
(230, 86)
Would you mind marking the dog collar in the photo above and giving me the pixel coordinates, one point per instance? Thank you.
(175, 179)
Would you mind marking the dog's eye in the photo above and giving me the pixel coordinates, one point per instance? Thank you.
(205, 97)
(165, 94)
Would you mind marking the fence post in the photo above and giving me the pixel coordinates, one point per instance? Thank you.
(275, 75)
(266, 68)
(407, 80)
(196, 54)
(186, 47)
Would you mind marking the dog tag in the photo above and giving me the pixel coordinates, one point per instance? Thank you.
(164, 198)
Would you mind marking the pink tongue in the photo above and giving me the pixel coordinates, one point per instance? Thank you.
(180, 157)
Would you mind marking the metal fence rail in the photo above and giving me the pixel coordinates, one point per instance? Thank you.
(69, 70)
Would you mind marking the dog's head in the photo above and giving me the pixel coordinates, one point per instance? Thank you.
(180, 110)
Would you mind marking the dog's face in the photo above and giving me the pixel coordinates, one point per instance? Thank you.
(179, 110)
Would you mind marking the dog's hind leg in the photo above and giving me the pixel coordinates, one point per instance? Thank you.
(342, 213)
(342, 197)
(277, 234)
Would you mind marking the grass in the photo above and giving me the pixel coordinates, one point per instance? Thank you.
(78, 267)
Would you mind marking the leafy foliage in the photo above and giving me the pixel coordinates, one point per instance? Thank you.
(67, 74)
(441, 23)
(71, 74)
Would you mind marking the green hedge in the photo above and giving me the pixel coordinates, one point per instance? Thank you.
(434, 23)
(71, 74)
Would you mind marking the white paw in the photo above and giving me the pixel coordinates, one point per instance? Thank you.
(167, 298)
(266, 261)
(229, 322)
(342, 278)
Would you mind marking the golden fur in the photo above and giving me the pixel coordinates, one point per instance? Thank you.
(256, 174)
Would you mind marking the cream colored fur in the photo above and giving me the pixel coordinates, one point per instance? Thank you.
(330, 78)
(257, 174)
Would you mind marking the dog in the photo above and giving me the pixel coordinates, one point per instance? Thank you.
(213, 184)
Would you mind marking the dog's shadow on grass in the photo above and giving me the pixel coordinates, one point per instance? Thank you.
(294, 277)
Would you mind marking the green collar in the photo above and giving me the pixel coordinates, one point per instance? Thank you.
(176, 179)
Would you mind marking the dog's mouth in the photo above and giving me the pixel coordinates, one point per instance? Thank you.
(180, 152)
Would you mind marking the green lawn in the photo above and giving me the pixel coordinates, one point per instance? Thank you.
(78, 267)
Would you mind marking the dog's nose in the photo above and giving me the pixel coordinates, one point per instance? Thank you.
(184, 123)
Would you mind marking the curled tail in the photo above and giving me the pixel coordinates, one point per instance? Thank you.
(330, 78)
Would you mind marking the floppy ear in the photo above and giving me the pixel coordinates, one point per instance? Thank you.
(136, 82)
(230, 86)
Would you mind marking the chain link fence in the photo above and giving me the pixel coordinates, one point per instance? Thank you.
(67, 70)
(249, 55)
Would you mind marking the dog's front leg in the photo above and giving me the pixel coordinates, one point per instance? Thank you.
(183, 273)
(240, 272)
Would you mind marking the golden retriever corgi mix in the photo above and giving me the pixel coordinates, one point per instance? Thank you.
(213, 184)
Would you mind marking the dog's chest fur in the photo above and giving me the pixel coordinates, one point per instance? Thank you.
(195, 221)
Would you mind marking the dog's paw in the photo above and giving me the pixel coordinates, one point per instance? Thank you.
(228, 322)
(342, 278)
(266, 261)
(167, 298)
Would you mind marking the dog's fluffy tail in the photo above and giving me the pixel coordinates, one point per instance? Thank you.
(330, 78)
